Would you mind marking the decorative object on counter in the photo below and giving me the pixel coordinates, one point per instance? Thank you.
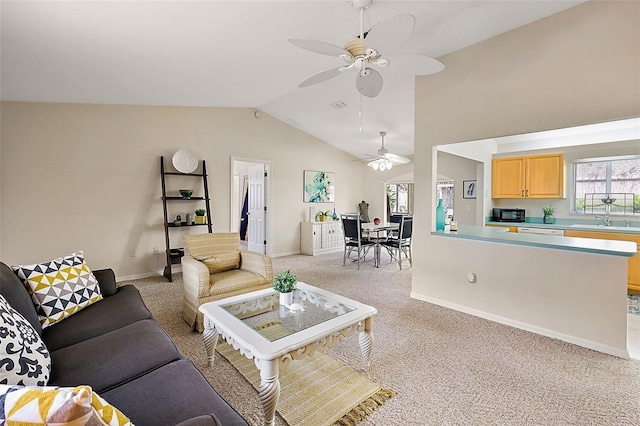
(178, 221)
(322, 216)
(363, 209)
(318, 187)
(454, 226)
(186, 193)
(334, 216)
(284, 283)
(201, 219)
(189, 219)
(440, 216)
(185, 161)
(376, 221)
(469, 188)
(548, 212)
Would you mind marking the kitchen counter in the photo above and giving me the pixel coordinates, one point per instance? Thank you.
(578, 225)
(499, 235)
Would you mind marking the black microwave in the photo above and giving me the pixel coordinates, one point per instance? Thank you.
(508, 215)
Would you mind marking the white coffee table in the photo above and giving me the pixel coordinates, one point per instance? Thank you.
(274, 335)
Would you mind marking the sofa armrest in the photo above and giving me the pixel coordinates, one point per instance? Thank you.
(107, 281)
(209, 420)
(257, 263)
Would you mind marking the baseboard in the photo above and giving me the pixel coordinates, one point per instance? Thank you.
(174, 268)
(286, 253)
(585, 343)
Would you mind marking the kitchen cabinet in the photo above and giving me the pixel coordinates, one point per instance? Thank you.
(533, 176)
(319, 237)
(510, 228)
(633, 281)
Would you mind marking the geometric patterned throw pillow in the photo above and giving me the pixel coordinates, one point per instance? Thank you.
(59, 288)
(24, 358)
(58, 406)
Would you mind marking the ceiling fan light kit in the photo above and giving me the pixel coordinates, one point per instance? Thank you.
(385, 160)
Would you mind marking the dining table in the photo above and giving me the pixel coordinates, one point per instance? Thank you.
(382, 227)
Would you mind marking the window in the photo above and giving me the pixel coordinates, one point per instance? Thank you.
(399, 198)
(604, 186)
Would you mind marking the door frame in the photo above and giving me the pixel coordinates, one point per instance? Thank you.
(267, 197)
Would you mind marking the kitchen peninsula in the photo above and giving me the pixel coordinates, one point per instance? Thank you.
(580, 300)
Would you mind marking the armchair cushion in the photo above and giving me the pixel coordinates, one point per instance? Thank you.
(222, 262)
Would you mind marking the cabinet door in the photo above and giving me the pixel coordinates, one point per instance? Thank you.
(508, 177)
(544, 176)
(634, 262)
(317, 236)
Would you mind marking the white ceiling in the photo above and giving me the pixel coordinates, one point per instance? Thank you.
(236, 54)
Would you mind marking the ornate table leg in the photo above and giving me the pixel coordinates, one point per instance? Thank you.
(366, 341)
(210, 337)
(269, 390)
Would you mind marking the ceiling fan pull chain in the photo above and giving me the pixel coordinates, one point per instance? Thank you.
(360, 113)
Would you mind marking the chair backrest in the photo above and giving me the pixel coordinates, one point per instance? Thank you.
(396, 218)
(201, 246)
(350, 226)
(406, 227)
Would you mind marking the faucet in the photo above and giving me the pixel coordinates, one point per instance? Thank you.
(605, 219)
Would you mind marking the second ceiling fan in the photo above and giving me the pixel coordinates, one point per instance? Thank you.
(366, 50)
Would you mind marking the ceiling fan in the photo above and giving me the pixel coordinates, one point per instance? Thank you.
(385, 160)
(366, 50)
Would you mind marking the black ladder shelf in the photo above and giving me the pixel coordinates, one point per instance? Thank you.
(174, 254)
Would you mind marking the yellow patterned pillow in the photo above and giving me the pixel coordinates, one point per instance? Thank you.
(222, 262)
(79, 406)
(60, 287)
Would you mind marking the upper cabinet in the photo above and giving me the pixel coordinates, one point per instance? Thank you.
(533, 176)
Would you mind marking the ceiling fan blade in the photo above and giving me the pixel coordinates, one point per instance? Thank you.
(318, 46)
(415, 64)
(397, 158)
(388, 35)
(369, 82)
(321, 76)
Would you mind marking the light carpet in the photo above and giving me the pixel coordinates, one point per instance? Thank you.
(316, 390)
(447, 367)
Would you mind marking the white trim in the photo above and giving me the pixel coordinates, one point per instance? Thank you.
(589, 344)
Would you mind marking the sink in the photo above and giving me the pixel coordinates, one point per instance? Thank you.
(604, 227)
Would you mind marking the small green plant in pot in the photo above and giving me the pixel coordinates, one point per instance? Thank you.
(201, 219)
(285, 282)
(547, 211)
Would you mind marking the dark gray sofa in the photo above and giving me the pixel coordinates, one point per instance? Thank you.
(116, 347)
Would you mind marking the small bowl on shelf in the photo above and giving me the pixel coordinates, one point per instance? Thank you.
(186, 193)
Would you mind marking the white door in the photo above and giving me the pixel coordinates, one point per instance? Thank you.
(256, 204)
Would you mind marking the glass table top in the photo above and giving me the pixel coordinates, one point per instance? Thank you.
(270, 320)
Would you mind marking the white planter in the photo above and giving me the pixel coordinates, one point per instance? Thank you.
(286, 298)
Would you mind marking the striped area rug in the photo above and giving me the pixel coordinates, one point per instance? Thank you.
(317, 390)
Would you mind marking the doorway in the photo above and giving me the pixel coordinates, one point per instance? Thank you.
(250, 185)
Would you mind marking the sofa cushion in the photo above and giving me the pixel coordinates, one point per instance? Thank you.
(18, 297)
(153, 399)
(111, 313)
(24, 359)
(222, 262)
(78, 406)
(59, 287)
(111, 359)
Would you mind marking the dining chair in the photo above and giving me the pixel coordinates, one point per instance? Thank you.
(353, 240)
(402, 243)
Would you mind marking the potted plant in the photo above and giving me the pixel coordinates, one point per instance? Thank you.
(548, 212)
(201, 219)
(285, 282)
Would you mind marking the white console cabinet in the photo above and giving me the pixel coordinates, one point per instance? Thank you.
(319, 237)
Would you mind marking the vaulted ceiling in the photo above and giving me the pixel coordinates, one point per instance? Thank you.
(236, 54)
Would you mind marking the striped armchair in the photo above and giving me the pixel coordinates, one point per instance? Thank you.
(214, 267)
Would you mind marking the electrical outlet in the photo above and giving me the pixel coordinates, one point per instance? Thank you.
(155, 250)
(471, 277)
(132, 253)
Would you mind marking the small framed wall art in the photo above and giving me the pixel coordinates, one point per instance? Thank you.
(318, 187)
(469, 189)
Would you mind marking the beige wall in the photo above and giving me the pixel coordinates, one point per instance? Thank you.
(577, 67)
(86, 177)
